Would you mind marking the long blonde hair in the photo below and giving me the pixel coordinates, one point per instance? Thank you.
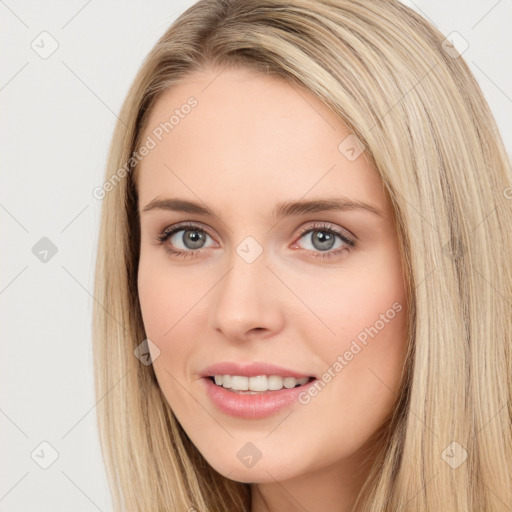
(410, 98)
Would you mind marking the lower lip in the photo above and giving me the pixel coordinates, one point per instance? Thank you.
(256, 406)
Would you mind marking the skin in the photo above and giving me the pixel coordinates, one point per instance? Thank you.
(251, 142)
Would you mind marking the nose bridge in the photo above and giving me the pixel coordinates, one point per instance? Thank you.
(245, 299)
(240, 285)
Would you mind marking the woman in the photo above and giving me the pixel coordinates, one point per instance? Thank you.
(304, 291)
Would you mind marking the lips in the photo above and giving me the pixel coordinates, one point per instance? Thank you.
(253, 406)
(252, 370)
(250, 404)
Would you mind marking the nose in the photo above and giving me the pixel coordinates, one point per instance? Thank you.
(246, 302)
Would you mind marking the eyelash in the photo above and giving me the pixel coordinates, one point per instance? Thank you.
(167, 233)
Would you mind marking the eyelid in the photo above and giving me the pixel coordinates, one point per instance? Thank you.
(319, 225)
(184, 226)
(302, 230)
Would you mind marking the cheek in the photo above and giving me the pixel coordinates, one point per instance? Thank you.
(165, 297)
(364, 309)
(164, 301)
(364, 357)
(155, 300)
(364, 301)
(168, 300)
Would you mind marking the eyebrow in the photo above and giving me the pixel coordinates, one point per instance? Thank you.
(283, 209)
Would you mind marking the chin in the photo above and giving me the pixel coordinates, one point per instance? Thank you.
(260, 472)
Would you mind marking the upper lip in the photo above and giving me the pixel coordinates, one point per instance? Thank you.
(251, 370)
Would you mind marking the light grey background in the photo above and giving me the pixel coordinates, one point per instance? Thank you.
(57, 118)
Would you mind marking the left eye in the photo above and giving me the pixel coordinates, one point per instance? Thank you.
(324, 239)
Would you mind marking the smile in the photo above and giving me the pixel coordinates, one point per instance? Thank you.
(251, 404)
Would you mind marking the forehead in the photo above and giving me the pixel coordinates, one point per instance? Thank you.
(260, 136)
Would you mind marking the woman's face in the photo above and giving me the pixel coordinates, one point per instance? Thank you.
(297, 265)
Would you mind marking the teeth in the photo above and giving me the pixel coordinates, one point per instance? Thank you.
(239, 383)
(258, 383)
